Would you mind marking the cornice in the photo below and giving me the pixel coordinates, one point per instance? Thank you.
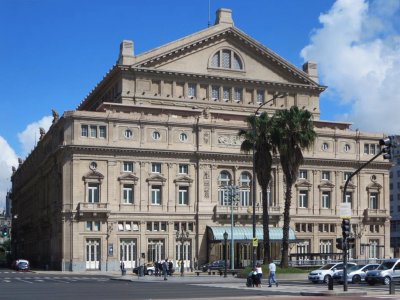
(216, 78)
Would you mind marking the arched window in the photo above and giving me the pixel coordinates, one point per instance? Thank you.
(245, 180)
(226, 59)
(223, 181)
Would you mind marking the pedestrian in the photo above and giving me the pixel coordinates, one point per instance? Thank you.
(272, 274)
(170, 267)
(165, 268)
(254, 278)
(259, 272)
(156, 269)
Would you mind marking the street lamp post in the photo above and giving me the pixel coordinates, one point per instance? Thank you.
(226, 251)
(182, 237)
(232, 193)
(275, 96)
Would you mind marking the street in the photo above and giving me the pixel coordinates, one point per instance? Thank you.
(60, 286)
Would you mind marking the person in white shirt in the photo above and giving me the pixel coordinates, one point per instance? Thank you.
(272, 273)
(259, 272)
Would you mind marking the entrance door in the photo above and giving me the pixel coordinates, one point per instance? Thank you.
(127, 253)
(187, 253)
(155, 250)
(93, 254)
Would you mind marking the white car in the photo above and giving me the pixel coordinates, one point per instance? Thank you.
(325, 272)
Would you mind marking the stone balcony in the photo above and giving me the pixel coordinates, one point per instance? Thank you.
(94, 209)
(243, 212)
(375, 213)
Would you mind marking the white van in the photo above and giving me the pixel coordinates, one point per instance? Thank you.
(385, 273)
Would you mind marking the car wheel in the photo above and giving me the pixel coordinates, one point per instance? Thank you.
(150, 272)
(387, 280)
(356, 279)
(326, 279)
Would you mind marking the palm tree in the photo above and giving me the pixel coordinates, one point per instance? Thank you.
(292, 132)
(258, 136)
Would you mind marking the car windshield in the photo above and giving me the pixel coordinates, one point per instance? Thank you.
(327, 267)
(386, 265)
(354, 268)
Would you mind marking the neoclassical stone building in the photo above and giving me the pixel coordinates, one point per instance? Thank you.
(147, 153)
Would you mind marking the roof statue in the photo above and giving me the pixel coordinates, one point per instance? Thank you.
(42, 133)
(55, 116)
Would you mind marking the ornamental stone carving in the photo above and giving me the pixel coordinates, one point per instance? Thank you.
(233, 140)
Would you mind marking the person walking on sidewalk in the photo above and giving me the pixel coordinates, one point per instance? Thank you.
(165, 268)
(272, 274)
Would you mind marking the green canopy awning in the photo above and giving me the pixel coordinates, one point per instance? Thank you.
(246, 233)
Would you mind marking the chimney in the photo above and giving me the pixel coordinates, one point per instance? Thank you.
(310, 67)
(224, 16)
(126, 53)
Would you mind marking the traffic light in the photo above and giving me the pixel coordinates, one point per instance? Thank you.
(346, 228)
(387, 144)
(351, 243)
(339, 243)
(4, 231)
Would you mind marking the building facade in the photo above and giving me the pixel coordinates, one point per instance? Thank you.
(395, 201)
(148, 153)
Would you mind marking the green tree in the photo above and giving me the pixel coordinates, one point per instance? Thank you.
(292, 132)
(259, 135)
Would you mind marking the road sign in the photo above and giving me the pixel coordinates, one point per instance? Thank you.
(345, 211)
(255, 242)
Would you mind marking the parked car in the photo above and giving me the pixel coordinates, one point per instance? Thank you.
(215, 265)
(16, 262)
(325, 272)
(149, 269)
(355, 274)
(385, 273)
(22, 266)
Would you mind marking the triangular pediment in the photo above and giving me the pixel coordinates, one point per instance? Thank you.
(374, 186)
(183, 179)
(303, 183)
(326, 184)
(128, 177)
(93, 175)
(158, 178)
(193, 53)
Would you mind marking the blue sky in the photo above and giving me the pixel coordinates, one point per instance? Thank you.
(52, 53)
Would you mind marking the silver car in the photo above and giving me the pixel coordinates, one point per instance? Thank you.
(355, 274)
(385, 273)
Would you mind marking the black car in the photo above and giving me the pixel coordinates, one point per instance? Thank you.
(215, 265)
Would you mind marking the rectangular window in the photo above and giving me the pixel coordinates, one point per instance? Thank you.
(226, 94)
(303, 199)
(156, 226)
(326, 199)
(326, 175)
(84, 131)
(120, 226)
(102, 132)
(128, 166)
(303, 174)
(349, 198)
(149, 226)
(183, 169)
(366, 148)
(89, 225)
(96, 226)
(128, 194)
(372, 149)
(93, 193)
(156, 167)
(260, 96)
(156, 194)
(373, 200)
(215, 92)
(93, 131)
(346, 175)
(192, 90)
(183, 195)
(163, 226)
(238, 94)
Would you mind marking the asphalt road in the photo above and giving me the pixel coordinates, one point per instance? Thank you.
(60, 286)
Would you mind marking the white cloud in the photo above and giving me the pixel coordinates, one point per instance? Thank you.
(8, 158)
(358, 54)
(30, 136)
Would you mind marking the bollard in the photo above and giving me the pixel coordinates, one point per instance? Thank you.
(123, 272)
(330, 283)
(392, 288)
